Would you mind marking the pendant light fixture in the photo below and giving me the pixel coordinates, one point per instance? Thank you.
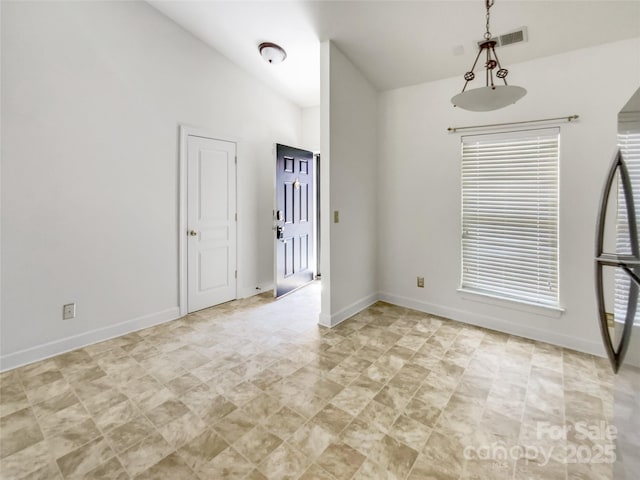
(491, 96)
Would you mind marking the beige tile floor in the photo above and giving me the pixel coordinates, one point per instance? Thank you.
(254, 389)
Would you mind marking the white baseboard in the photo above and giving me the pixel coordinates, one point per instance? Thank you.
(347, 312)
(50, 349)
(40, 352)
(251, 291)
(324, 320)
(465, 316)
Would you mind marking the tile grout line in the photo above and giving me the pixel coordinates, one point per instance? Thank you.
(100, 429)
(564, 412)
(44, 438)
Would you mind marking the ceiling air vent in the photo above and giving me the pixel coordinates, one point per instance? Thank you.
(510, 38)
(517, 36)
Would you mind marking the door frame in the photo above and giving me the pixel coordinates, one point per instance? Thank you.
(184, 132)
(318, 248)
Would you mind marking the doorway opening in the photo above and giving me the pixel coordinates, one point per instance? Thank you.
(296, 219)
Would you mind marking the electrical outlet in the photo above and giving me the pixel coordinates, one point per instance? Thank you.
(420, 282)
(69, 311)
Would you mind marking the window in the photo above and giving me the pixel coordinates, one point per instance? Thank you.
(629, 143)
(510, 215)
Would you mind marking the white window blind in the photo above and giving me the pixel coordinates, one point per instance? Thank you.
(510, 215)
(629, 143)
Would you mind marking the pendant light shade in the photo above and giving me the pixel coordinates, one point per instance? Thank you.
(491, 96)
(485, 99)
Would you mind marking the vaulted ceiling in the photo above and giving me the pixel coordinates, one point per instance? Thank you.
(393, 43)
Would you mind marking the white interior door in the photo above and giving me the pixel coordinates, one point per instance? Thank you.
(211, 222)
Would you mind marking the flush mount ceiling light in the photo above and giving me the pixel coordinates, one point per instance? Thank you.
(489, 97)
(272, 53)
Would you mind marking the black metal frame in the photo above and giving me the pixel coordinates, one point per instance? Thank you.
(629, 263)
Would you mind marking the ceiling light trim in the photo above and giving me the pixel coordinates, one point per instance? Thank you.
(272, 53)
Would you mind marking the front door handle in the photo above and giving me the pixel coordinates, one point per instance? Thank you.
(193, 233)
(279, 232)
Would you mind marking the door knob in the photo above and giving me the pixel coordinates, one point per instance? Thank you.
(193, 233)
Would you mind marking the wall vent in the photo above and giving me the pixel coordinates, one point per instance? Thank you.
(516, 36)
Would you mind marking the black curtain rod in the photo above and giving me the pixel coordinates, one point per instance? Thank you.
(570, 118)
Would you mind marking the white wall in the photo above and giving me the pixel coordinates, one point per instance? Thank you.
(92, 97)
(311, 128)
(348, 115)
(419, 181)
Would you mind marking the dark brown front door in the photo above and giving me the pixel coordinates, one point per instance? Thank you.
(293, 218)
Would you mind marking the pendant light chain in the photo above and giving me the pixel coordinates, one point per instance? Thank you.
(489, 4)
